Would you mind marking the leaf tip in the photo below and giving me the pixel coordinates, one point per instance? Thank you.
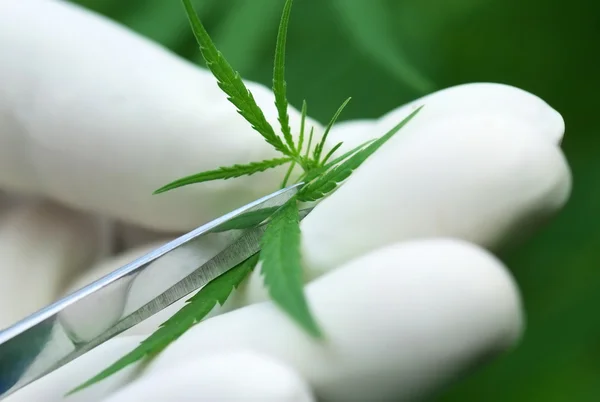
(78, 388)
(315, 331)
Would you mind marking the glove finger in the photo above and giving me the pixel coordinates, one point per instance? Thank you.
(399, 323)
(54, 386)
(99, 117)
(486, 100)
(41, 246)
(473, 99)
(486, 176)
(491, 177)
(133, 236)
(231, 377)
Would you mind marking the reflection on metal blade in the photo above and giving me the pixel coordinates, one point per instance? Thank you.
(85, 319)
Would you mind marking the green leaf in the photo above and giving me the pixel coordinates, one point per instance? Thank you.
(279, 85)
(314, 173)
(224, 173)
(246, 220)
(288, 174)
(197, 307)
(327, 182)
(302, 124)
(310, 139)
(369, 24)
(281, 267)
(231, 83)
(330, 153)
(348, 154)
(319, 147)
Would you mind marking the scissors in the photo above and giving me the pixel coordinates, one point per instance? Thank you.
(83, 320)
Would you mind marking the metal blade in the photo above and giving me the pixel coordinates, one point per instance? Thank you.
(61, 332)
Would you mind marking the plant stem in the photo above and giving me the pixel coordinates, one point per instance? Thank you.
(287, 175)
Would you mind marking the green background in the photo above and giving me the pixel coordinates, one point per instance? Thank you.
(339, 48)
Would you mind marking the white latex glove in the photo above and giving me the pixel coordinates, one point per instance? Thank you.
(93, 118)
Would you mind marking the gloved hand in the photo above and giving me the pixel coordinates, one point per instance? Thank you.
(403, 281)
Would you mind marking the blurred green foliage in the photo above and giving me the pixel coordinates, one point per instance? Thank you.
(550, 48)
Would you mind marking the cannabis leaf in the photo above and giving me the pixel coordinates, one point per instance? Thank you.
(279, 85)
(321, 144)
(246, 220)
(224, 173)
(288, 174)
(332, 151)
(327, 182)
(313, 174)
(231, 83)
(302, 124)
(280, 243)
(197, 307)
(281, 266)
(310, 139)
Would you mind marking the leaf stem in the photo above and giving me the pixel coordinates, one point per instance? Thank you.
(288, 174)
(310, 138)
(279, 84)
(335, 148)
(302, 124)
(321, 144)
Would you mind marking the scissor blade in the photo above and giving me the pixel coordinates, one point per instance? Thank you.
(61, 332)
